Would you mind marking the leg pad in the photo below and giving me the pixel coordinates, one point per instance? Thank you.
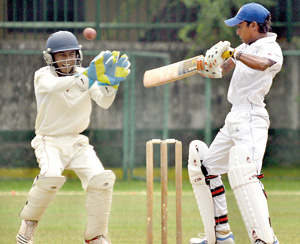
(40, 196)
(249, 195)
(197, 151)
(98, 204)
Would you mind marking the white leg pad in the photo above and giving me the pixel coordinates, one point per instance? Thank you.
(197, 151)
(250, 198)
(98, 204)
(40, 196)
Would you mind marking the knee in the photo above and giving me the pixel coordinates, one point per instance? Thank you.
(102, 181)
(197, 152)
(49, 184)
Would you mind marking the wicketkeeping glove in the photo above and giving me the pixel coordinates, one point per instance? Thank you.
(99, 65)
(117, 72)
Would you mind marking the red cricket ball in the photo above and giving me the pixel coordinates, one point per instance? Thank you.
(89, 33)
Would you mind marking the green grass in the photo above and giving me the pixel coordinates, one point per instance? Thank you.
(64, 221)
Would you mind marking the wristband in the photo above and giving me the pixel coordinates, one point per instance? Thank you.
(238, 55)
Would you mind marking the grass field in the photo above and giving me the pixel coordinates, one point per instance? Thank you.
(64, 221)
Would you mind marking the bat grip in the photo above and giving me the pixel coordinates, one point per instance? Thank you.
(227, 54)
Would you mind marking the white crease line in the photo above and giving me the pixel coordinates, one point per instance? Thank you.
(142, 193)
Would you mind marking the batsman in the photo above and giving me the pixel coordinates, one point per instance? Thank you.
(64, 93)
(238, 149)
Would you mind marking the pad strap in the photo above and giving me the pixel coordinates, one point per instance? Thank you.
(221, 219)
(218, 191)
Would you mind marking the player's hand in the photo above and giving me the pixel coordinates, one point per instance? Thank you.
(102, 63)
(105, 62)
(123, 66)
(207, 70)
(117, 73)
(214, 56)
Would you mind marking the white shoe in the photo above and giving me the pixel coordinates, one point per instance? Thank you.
(262, 242)
(221, 239)
(26, 232)
(224, 239)
(274, 238)
(98, 240)
(200, 240)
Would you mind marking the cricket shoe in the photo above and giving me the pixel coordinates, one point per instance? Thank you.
(262, 242)
(26, 232)
(221, 239)
(98, 240)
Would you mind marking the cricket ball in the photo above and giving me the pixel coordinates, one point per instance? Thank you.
(89, 33)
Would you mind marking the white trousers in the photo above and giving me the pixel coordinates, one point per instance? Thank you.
(72, 152)
(244, 125)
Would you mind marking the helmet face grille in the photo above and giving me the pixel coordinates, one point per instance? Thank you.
(62, 41)
(66, 63)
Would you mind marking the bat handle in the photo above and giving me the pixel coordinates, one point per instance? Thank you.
(227, 54)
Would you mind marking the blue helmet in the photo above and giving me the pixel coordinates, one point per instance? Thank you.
(62, 41)
(59, 42)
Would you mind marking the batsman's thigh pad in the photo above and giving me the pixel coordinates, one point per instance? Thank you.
(98, 204)
(40, 196)
(197, 151)
(249, 195)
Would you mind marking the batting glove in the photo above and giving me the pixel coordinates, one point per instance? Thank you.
(214, 56)
(207, 70)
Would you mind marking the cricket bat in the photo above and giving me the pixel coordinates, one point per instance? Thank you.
(175, 71)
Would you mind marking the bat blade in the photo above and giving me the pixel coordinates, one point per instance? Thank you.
(171, 72)
(175, 71)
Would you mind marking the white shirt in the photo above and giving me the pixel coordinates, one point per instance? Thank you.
(62, 107)
(249, 86)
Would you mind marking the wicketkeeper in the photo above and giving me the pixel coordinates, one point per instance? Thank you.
(64, 94)
(239, 147)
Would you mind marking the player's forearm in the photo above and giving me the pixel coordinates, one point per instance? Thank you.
(255, 62)
(227, 66)
(105, 102)
(102, 100)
